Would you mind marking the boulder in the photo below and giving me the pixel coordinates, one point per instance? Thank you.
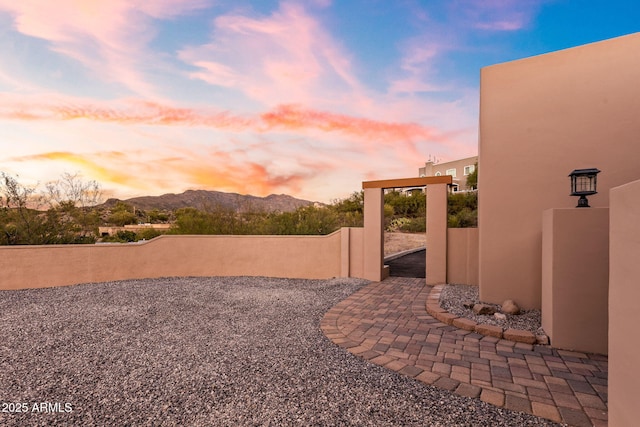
(542, 339)
(510, 307)
(500, 316)
(483, 309)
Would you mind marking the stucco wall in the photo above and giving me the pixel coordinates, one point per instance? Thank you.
(541, 118)
(462, 256)
(352, 249)
(317, 257)
(624, 295)
(575, 278)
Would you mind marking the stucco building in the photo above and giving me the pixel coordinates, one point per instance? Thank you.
(458, 169)
(541, 118)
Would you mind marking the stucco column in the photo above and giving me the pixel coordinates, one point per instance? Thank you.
(373, 233)
(575, 278)
(436, 234)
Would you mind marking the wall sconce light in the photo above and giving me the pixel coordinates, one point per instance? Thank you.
(583, 184)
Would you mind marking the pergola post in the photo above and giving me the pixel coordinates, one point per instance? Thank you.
(436, 262)
(373, 233)
(436, 234)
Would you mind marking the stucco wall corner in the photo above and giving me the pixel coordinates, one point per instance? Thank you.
(624, 294)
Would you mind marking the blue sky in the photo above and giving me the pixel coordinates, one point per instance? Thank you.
(307, 98)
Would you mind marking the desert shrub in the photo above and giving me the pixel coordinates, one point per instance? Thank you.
(122, 214)
(414, 225)
(409, 205)
(147, 234)
(309, 220)
(462, 209)
(352, 204)
(122, 236)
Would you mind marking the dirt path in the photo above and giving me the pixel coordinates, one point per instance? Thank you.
(398, 242)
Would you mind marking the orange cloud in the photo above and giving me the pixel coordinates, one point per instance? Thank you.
(246, 178)
(132, 113)
(283, 117)
(86, 163)
(218, 170)
(295, 117)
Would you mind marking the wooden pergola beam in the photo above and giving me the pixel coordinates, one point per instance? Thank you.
(408, 182)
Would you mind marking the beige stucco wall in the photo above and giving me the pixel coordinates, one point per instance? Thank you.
(624, 295)
(541, 118)
(462, 256)
(352, 249)
(575, 278)
(317, 257)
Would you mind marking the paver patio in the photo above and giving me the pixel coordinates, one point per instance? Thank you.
(387, 324)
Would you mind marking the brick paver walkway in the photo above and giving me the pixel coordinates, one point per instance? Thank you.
(387, 323)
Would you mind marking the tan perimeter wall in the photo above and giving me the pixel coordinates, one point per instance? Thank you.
(575, 278)
(541, 118)
(624, 315)
(462, 256)
(315, 257)
(353, 246)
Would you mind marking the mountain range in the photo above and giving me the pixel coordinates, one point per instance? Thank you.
(205, 199)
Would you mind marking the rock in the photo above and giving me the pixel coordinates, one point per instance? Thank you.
(510, 307)
(542, 339)
(483, 309)
(468, 304)
(500, 316)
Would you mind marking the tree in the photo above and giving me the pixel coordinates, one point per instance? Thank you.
(20, 223)
(70, 199)
(472, 179)
(71, 188)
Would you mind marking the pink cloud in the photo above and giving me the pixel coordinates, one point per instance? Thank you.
(280, 118)
(372, 131)
(497, 15)
(286, 57)
(282, 149)
(109, 37)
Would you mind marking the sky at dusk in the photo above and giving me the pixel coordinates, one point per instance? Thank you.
(307, 98)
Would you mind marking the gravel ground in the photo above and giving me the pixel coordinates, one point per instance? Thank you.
(453, 296)
(204, 352)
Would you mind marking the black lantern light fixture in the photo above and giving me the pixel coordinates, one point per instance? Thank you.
(583, 184)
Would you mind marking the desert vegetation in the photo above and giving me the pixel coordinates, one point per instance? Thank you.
(70, 210)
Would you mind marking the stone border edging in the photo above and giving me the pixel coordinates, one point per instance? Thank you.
(517, 335)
